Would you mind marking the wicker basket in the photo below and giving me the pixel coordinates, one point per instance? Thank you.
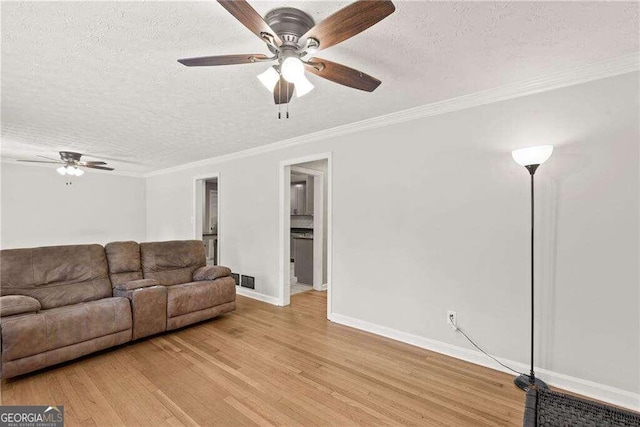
(546, 408)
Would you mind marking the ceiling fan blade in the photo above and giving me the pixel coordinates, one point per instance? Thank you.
(342, 74)
(349, 21)
(41, 161)
(48, 158)
(206, 61)
(91, 162)
(251, 19)
(283, 92)
(97, 167)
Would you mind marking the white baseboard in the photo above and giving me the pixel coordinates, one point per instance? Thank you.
(250, 293)
(320, 288)
(591, 389)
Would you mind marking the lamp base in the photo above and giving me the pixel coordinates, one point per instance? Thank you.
(523, 382)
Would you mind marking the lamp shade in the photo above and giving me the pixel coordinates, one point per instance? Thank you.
(269, 78)
(532, 155)
(292, 69)
(303, 86)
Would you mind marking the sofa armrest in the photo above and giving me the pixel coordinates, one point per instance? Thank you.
(136, 284)
(148, 308)
(18, 304)
(211, 272)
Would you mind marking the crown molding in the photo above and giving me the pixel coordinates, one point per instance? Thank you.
(574, 76)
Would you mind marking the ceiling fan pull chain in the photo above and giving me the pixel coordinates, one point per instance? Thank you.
(279, 103)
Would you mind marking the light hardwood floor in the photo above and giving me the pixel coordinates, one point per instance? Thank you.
(270, 365)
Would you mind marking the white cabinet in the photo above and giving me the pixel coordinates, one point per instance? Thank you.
(298, 199)
(303, 265)
(302, 197)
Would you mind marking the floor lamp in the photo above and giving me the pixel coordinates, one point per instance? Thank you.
(531, 158)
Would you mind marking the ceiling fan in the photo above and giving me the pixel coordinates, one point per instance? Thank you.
(291, 35)
(71, 163)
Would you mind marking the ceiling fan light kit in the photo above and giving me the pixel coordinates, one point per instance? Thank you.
(70, 170)
(292, 69)
(291, 35)
(269, 78)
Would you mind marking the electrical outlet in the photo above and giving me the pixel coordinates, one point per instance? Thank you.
(452, 319)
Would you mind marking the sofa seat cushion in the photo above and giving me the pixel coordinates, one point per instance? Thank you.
(26, 335)
(195, 296)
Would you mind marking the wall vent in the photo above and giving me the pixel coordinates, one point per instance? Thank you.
(248, 282)
(236, 277)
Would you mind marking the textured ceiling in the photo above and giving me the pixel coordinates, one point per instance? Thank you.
(102, 77)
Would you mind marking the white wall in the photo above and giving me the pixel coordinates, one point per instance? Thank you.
(432, 214)
(38, 209)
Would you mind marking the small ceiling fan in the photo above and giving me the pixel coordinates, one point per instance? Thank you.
(71, 163)
(291, 35)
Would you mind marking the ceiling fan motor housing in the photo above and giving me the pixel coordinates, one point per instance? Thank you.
(70, 156)
(289, 24)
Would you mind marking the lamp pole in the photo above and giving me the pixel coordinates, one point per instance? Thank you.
(524, 382)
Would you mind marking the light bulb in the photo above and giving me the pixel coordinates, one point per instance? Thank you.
(62, 170)
(532, 155)
(292, 69)
(269, 78)
(74, 170)
(303, 86)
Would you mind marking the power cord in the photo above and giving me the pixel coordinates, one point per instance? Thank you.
(458, 329)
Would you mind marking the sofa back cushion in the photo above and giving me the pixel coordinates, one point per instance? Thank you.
(56, 275)
(172, 262)
(124, 262)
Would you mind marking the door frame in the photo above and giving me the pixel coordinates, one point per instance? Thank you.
(284, 296)
(199, 191)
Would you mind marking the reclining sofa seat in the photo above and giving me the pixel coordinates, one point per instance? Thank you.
(56, 304)
(62, 302)
(195, 291)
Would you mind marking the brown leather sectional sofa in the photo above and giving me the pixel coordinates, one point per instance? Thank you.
(61, 302)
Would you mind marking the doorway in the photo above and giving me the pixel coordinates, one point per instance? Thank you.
(207, 216)
(306, 237)
(305, 222)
